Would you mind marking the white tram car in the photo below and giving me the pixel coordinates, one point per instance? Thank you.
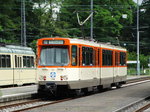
(17, 65)
(76, 64)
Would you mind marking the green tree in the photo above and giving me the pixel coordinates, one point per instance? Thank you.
(143, 59)
(145, 27)
(39, 19)
(8, 20)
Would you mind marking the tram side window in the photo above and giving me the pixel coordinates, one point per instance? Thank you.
(107, 58)
(32, 61)
(28, 61)
(18, 61)
(74, 55)
(3, 58)
(24, 61)
(5, 61)
(8, 61)
(87, 56)
(122, 58)
(16, 64)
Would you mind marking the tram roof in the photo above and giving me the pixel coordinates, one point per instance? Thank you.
(96, 44)
(90, 43)
(16, 49)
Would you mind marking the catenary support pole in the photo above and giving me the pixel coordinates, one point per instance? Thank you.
(138, 47)
(23, 23)
(91, 20)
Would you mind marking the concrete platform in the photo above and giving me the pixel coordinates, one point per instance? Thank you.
(137, 77)
(15, 93)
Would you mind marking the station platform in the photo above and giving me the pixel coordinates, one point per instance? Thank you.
(17, 93)
(14, 93)
(130, 77)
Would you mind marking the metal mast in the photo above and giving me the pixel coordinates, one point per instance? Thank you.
(23, 23)
(138, 51)
(92, 20)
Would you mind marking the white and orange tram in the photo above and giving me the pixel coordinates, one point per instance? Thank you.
(17, 65)
(75, 64)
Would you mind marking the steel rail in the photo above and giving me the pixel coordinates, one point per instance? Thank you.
(21, 103)
(143, 108)
(131, 105)
(54, 102)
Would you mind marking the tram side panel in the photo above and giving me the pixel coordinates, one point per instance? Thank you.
(107, 69)
(120, 67)
(6, 76)
(116, 74)
(116, 67)
(28, 71)
(123, 73)
(17, 69)
(120, 74)
(24, 69)
(28, 75)
(73, 78)
(88, 77)
(123, 66)
(6, 69)
(106, 76)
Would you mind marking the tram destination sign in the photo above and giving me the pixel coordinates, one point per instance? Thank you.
(53, 42)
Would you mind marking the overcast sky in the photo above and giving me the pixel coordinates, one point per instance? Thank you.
(140, 1)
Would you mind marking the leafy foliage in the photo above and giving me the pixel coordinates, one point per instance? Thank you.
(145, 27)
(8, 26)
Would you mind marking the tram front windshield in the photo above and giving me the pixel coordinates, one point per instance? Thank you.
(54, 56)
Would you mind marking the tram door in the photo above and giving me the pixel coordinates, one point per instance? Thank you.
(18, 69)
(88, 71)
(116, 69)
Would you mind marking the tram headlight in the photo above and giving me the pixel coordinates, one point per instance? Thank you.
(63, 77)
(44, 78)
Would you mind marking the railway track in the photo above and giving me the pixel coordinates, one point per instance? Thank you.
(12, 106)
(144, 108)
(128, 81)
(138, 106)
(27, 105)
